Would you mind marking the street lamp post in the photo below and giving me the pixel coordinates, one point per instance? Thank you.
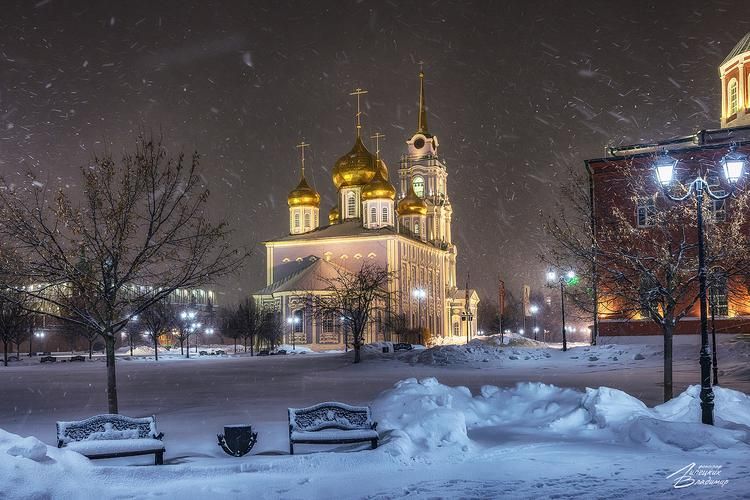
(293, 320)
(568, 277)
(187, 317)
(533, 309)
(733, 164)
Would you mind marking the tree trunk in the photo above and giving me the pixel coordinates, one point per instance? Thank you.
(109, 342)
(252, 343)
(235, 345)
(91, 348)
(244, 341)
(356, 353)
(5, 352)
(668, 329)
(182, 351)
(156, 348)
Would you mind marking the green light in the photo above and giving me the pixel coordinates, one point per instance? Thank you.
(573, 281)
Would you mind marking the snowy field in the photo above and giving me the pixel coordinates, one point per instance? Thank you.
(477, 421)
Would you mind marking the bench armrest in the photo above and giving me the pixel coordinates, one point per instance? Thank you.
(159, 436)
(374, 426)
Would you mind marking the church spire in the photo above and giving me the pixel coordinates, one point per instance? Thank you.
(422, 124)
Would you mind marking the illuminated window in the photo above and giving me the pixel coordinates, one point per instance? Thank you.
(296, 219)
(645, 212)
(416, 228)
(299, 321)
(385, 214)
(328, 322)
(418, 185)
(307, 220)
(456, 329)
(717, 294)
(732, 98)
(351, 205)
(373, 214)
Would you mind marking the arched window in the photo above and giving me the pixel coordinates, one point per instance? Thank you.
(385, 214)
(373, 214)
(456, 329)
(732, 98)
(351, 205)
(307, 220)
(296, 219)
(416, 228)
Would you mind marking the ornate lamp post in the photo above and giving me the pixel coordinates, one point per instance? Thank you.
(732, 165)
(563, 279)
(533, 309)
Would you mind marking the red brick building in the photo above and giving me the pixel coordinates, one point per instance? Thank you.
(697, 154)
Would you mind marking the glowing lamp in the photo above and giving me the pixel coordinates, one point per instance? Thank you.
(733, 163)
(665, 169)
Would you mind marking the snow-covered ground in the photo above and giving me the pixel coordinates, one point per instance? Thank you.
(481, 435)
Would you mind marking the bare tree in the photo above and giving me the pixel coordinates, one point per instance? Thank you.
(353, 296)
(141, 229)
(157, 320)
(250, 319)
(14, 319)
(230, 326)
(650, 272)
(271, 331)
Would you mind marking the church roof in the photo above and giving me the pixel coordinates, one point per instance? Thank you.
(315, 274)
(351, 228)
(347, 228)
(742, 46)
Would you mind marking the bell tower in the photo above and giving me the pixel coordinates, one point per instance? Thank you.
(423, 172)
(734, 72)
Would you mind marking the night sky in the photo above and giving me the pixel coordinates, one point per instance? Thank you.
(516, 92)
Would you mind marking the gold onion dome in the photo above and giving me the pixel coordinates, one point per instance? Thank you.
(333, 216)
(379, 187)
(303, 195)
(355, 168)
(411, 204)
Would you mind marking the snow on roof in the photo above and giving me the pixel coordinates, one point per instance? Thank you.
(315, 275)
(742, 46)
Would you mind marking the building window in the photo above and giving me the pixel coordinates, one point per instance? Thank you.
(456, 329)
(328, 322)
(645, 212)
(299, 321)
(351, 205)
(717, 293)
(373, 214)
(719, 208)
(385, 214)
(732, 98)
(416, 228)
(296, 219)
(307, 220)
(418, 185)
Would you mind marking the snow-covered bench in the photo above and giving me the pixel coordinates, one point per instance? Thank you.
(111, 436)
(331, 423)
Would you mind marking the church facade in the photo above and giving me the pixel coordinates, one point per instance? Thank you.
(409, 235)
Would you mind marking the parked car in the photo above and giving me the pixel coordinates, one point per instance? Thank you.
(281, 351)
(263, 352)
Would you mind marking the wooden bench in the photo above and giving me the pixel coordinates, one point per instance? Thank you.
(331, 423)
(112, 436)
(47, 359)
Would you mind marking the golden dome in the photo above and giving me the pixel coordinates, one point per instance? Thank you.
(355, 168)
(411, 204)
(303, 195)
(379, 187)
(333, 216)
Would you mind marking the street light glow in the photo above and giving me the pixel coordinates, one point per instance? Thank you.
(733, 163)
(665, 169)
(533, 308)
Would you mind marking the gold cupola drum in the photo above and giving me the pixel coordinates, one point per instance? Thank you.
(304, 203)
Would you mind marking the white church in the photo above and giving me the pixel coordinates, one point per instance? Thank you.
(409, 235)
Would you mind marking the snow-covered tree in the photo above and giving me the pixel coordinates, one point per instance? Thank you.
(649, 272)
(136, 232)
(353, 296)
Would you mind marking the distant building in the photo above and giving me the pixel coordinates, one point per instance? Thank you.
(699, 152)
(410, 236)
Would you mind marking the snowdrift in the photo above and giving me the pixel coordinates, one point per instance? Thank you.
(422, 422)
(424, 416)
